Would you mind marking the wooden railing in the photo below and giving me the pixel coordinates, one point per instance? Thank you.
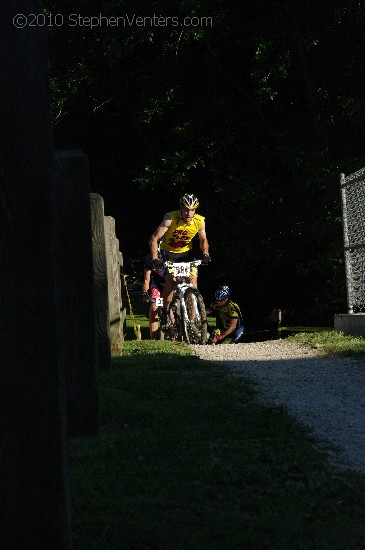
(110, 311)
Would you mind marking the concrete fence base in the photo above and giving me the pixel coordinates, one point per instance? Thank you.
(350, 324)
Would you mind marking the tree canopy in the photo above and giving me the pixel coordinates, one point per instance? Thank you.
(255, 107)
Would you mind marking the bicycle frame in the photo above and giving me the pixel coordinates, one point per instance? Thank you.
(184, 327)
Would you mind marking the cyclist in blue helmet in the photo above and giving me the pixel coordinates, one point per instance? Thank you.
(229, 321)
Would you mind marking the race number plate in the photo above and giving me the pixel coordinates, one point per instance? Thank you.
(180, 270)
(159, 302)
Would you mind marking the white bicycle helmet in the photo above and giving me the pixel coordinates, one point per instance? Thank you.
(189, 201)
(222, 293)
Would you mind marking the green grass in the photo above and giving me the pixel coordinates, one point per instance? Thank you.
(140, 313)
(186, 459)
(333, 343)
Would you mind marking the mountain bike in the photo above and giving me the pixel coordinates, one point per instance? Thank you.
(188, 319)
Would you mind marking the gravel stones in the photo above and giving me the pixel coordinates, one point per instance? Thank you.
(325, 393)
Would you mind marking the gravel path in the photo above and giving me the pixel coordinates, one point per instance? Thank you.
(325, 393)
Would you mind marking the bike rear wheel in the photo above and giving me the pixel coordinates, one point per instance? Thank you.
(195, 328)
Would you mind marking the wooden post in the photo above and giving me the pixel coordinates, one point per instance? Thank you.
(75, 300)
(279, 324)
(35, 510)
(123, 304)
(100, 283)
(114, 285)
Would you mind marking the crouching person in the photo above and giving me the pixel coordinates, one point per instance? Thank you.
(229, 322)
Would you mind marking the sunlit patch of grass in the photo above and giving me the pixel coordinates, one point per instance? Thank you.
(333, 343)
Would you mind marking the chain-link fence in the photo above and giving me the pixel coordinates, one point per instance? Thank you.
(353, 212)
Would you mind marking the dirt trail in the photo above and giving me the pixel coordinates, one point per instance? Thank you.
(325, 393)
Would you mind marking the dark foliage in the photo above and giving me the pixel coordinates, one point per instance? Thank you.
(256, 112)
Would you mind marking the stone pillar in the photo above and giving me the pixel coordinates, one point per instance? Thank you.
(100, 282)
(352, 324)
(35, 510)
(75, 299)
(114, 285)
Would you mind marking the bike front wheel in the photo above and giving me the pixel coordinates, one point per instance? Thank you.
(195, 327)
(174, 330)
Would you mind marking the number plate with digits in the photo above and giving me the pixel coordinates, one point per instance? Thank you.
(180, 270)
(159, 302)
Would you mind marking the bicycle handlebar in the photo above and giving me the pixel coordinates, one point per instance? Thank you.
(181, 269)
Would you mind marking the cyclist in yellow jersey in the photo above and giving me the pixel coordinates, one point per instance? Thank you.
(177, 230)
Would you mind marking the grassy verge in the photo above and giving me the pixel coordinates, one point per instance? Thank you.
(140, 315)
(187, 459)
(333, 343)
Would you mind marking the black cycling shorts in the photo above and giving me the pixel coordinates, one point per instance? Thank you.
(177, 257)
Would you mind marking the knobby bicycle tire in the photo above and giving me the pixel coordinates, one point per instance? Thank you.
(196, 328)
(178, 326)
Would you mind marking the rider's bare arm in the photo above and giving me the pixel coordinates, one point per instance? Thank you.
(158, 234)
(203, 241)
(146, 280)
(231, 328)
